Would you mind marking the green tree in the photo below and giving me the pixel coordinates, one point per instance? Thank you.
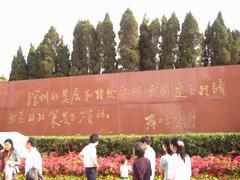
(32, 63)
(42, 63)
(206, 46)
(155, 32)
(62, 64)
(94, 62)
(169, 42)
(144, 45)
(2, 78)
(234, 46)
(84, 49)
(148, 44)
(60, 52)
(99, 48)
(52, 39)
(19, 67)
(162, 32)
(190, 43)
(106, 53)
(45, 58)
(235, 52)
(128, 46)
(217, 43)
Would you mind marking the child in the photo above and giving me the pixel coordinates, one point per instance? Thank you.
(124, 169)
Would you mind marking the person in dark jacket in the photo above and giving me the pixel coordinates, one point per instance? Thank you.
(141, 165)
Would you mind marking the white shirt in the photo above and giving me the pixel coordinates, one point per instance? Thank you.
(178, 169)
(9, 170)
(164, 163)
(33, 159)
(151, 155)
(89, 154)
(124, 169)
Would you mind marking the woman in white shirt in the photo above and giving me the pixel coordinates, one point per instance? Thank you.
(180, 163)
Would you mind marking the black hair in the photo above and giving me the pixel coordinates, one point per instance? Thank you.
(10, 142)
(138, 150)
(5, 153)
(93, 138)
(32, 141)
(145, 139)
(166, 142)
(180, 148)
(123, 160)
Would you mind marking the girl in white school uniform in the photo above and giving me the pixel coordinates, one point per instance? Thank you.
(165, 159)
(180, 164)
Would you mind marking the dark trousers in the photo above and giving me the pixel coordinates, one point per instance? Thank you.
(91, 173)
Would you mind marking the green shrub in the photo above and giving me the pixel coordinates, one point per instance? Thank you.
(196, 144)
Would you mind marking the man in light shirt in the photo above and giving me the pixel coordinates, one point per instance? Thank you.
(89, 157)
(149, 153)
(33, 158)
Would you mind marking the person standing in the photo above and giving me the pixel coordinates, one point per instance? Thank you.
(180, 164)
(149, 153)
(33, 164)
(89, 157)
(124, 169)
(141, 166)
(165, 159)
(11, 160)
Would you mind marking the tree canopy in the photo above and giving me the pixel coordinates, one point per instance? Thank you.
(154, 45)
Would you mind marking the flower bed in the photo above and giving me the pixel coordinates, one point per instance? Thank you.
(218, 166)
(203, 177)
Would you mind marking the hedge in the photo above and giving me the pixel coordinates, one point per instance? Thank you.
(196, 143)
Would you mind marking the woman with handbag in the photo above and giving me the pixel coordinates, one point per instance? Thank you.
(10, 161)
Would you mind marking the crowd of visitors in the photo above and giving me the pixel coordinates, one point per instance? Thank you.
(175, 164)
